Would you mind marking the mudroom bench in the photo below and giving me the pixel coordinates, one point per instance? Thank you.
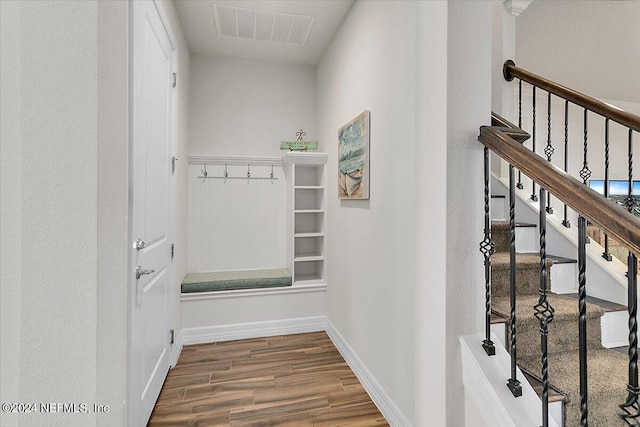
(236, 280)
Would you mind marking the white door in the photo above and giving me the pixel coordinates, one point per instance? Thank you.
(149, 345)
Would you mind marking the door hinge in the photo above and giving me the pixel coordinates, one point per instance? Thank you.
(171, 334)
(173, 164)
(172, 251)
(175, 79)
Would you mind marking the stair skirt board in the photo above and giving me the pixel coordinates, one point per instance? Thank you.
(488, 401)
(209, 334)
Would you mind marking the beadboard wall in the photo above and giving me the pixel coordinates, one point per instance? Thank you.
(236, 224)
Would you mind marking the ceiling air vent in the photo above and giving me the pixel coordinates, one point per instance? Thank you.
(262, 25)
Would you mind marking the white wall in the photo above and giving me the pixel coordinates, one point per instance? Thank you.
(240, 107)
(54, 217)
(112, 207)
(590, 46)
(468, 107)
(370, 253)
(65, 205)
(10, 208)
(425, 75)
(431, 216)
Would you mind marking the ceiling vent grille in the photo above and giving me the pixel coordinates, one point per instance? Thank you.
(262, 25)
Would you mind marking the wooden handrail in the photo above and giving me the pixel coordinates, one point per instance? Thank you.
(505, 140)
(629, 120)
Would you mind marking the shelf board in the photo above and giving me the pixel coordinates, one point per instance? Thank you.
(308, 235)
(309, 187)
(307, 258)
(308, 279)
(309, 211)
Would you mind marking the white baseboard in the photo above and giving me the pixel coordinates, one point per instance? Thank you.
(378, 395)
(243, 331)
(383, 401)
(176, 349)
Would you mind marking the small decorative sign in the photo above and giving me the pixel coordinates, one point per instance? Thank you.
(299, 144)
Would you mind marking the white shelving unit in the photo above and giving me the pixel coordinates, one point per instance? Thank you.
(306, 202)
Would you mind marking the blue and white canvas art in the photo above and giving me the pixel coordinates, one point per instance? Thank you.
(353, 158)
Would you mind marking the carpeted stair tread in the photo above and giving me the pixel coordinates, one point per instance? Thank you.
(563, 329)
(606, 377)
(607, 306)
(527, 273)
(607, 369)
(564, 308)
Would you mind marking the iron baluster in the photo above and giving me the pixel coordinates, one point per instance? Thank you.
(606, 254)
(585, 172)
(534, 197)
(549, 150)
(513, 383)
(519, 185)
(565, 221)
(630, 408)
(543, 310)
(487, 247)
(582, 317)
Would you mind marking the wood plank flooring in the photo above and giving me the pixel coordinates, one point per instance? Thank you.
(292, 380)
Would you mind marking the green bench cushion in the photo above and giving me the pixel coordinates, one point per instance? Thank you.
(232, 280)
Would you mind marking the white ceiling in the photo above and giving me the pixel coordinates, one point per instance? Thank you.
(289, 17)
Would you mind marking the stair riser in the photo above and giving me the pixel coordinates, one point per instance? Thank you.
(564, 278)
(526, 239)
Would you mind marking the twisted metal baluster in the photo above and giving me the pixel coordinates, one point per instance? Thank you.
(513, 383)
(630, 408)
(543, 310)
(582, 318)
(534, 197)
(549, 150)
(606, 255)
(487, 247)
(519, 185)
(565, 221)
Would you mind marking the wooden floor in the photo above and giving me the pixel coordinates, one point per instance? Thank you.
(293, 380)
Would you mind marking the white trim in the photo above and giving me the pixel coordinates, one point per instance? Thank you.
(240, 331)
(516, 7)
(176, 349)
(379, 396)
(293, 289)
(234, 160)
(382, 400)
(484, 380)
(305, 158)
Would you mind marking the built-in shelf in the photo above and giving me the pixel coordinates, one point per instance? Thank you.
(309, 187)
(308, 235)
(308, 258)
(305, 221)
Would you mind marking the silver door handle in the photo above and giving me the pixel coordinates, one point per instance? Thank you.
(139, 244)
(140, 272)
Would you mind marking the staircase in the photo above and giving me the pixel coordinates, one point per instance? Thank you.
(607, 368)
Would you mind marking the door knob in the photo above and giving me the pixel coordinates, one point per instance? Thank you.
(139, 244)
(140, 272)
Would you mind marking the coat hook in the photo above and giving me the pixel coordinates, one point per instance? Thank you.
(271, 171)
(204, 171)
(248, 172)
(226, 174)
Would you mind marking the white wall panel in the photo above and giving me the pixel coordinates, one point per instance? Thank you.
(236, 224)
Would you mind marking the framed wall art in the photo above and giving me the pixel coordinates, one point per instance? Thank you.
(353, 158)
